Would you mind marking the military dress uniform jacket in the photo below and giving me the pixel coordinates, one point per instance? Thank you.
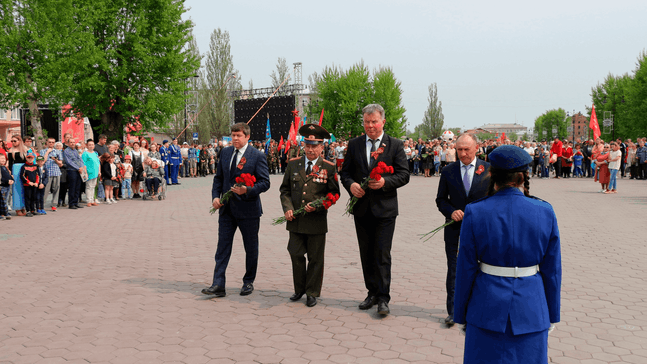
(509, 229)
(297, 190)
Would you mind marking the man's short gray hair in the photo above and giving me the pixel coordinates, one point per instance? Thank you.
(371, 108)
(115, 142)
(467, 135)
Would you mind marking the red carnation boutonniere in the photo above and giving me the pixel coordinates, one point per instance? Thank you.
(480, 170)
(377, 153)
(315, 169)
(242, 162)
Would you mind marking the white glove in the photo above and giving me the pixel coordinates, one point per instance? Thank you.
(551, 328)
(462, 329)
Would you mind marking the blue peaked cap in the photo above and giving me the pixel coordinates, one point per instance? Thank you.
(510, 158)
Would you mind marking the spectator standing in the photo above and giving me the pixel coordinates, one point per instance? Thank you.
(641, 157)
(615, 156)
(632, 162)
(175, 156)
(93, 166)
(126, 184)
(29, 179)
(602, 162)
(185, 167)
(6, 180)
(17, 158)
(166, 158)
(137, 156)
(556, 153)
(74, 165)
(108, 175)
(40, 191)
(53, 163)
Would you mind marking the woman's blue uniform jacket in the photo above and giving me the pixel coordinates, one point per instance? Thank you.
(509, 229)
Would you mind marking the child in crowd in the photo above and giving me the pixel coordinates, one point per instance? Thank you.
(43, 179)
(416, 162)
(577, 162)
(614, 166)
(108, 175)
(30, 179)
(126, 191)
(546, 164)
(6, 180)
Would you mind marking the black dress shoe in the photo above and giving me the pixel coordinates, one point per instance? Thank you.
(311, 301)
(73, 207)
(296, 296)
(215, 290)
(383, 308)
(368, 303)
(247, 289)
(449, 321)
(78, 206)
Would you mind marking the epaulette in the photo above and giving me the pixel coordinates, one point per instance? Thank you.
(295, 158)
(537, 198)
(481, 199)
(329, 162)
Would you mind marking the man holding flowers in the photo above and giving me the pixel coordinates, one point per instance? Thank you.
(461, 182)
(242, 210)
(308, 179)
(376, 207)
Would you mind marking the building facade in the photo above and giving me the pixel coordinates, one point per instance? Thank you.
(9, 123)
(580, 128)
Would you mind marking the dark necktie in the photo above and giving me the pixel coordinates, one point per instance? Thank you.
(466, 178)
(233, 162)
(309, 169)
(372, 150)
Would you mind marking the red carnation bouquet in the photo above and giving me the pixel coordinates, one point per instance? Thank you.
(244, 179)
(325, 201)
(376, 175)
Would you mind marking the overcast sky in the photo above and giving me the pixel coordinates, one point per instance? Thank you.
(493, 61)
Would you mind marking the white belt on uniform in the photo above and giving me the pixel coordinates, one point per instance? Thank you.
(512, 272)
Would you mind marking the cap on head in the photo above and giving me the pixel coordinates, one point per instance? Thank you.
(128, 157)
(165, 141)
(40, 158)
(30, 156)
(185, 143)
(313, 134)
(510, 158)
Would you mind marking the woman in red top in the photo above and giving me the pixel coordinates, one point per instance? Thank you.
(556, 150)
(567, 161)
(602, 161)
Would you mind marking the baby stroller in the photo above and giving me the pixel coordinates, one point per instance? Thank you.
(160, 194)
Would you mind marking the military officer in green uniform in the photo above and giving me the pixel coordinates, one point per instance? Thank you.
(307, 179)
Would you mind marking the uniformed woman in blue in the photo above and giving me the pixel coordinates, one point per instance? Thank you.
(509, 268)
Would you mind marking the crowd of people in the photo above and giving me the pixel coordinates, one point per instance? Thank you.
(34, 182)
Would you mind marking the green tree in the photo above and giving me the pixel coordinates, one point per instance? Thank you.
(41, 46)
(278, 76)
(433, 118)
(137, 65)
(218, 81)
(552, 119)
(609, 97)
(636, 100)
(343, 95)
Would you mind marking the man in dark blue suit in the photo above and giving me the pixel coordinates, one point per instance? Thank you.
(461, 182)
(377, 208)
(243, 210)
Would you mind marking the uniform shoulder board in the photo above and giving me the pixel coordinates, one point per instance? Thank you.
(537, 198)
(295, 158)
(481, 199)
(329, 162)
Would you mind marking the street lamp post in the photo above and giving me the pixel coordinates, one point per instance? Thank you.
(186, 106)
(611, 122)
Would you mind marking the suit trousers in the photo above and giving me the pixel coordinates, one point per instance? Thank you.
(227, 225)
(452, 233)
(375, 237)
(74, 186)
(174, 171)
(307, 278)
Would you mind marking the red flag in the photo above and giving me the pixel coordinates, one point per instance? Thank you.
(281, 143)
(287, 146)
(321, 117)
(502, 139)
(295, 130)
(594, 124)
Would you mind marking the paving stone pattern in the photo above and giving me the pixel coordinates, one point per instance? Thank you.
(121, 284)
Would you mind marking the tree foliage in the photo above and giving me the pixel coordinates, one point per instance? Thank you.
(625, 97)
(41, 45)
(552, 119)
(137, 64)
(344, 93)
(278, 75)
(433, 119)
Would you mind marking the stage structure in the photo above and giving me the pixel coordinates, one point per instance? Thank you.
(279, 107)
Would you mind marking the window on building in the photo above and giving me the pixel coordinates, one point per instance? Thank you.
(3, 114)
(14, 114)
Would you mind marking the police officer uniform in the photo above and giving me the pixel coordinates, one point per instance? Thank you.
(175, 158)
(308, 231)
(166, 157)
(509, 271)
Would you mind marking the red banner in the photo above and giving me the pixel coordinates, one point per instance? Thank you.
(594, 124)
(72, 125)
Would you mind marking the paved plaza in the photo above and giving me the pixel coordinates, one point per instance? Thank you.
(121, 284)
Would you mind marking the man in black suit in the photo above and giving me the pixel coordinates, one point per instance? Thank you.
(461, 182)
(377, 207)
(243, 210)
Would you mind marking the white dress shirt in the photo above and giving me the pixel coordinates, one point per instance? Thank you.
(241, 152)
(378, 143)
(470, 171)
